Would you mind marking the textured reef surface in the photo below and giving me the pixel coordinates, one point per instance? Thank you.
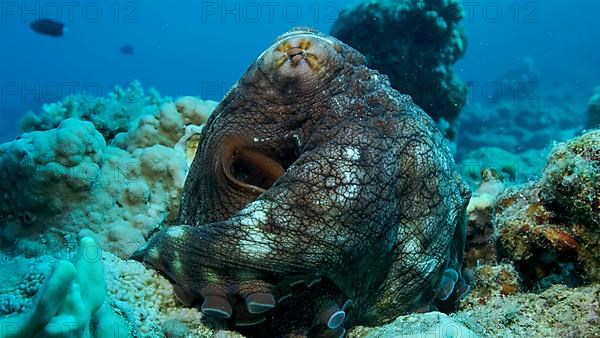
(416, 44)
(312, 200)
(314, 168)
(43, 268)
(83, 178)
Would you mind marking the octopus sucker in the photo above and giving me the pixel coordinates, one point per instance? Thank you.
(319, 198)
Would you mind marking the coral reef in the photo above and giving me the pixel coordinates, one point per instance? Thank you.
(520, 125)
(416, 44)
(60, 181)
(571, 181)
(593, 111)
(511, 168)
(557, 312)
(311, 187)
(110, 115)
(108, 169)
(550, 228)
(431, 324)
(491, 281)
(69, 304)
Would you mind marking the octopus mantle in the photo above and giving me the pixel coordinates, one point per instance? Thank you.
(319, 198)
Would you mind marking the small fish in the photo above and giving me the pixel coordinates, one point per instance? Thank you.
(127, 50)
(48, 27)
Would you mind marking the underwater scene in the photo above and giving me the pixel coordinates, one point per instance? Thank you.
(362, 168)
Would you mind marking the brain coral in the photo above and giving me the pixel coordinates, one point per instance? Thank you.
(416, 44)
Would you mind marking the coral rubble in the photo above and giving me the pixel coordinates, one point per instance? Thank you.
(431, 324)
(557, 312)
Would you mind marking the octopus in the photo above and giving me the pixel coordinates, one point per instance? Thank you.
(319, 198)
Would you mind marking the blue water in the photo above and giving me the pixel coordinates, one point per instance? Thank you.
(202, 47)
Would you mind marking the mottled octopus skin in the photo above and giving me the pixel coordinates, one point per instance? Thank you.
(313, 167)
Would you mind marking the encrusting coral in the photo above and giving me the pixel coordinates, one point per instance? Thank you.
(550, 228)
(63, 180)
(416, 44)
(84, 171)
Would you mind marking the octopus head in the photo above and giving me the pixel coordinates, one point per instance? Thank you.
(302, 57)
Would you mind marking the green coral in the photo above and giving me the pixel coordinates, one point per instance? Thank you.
(70, 300)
